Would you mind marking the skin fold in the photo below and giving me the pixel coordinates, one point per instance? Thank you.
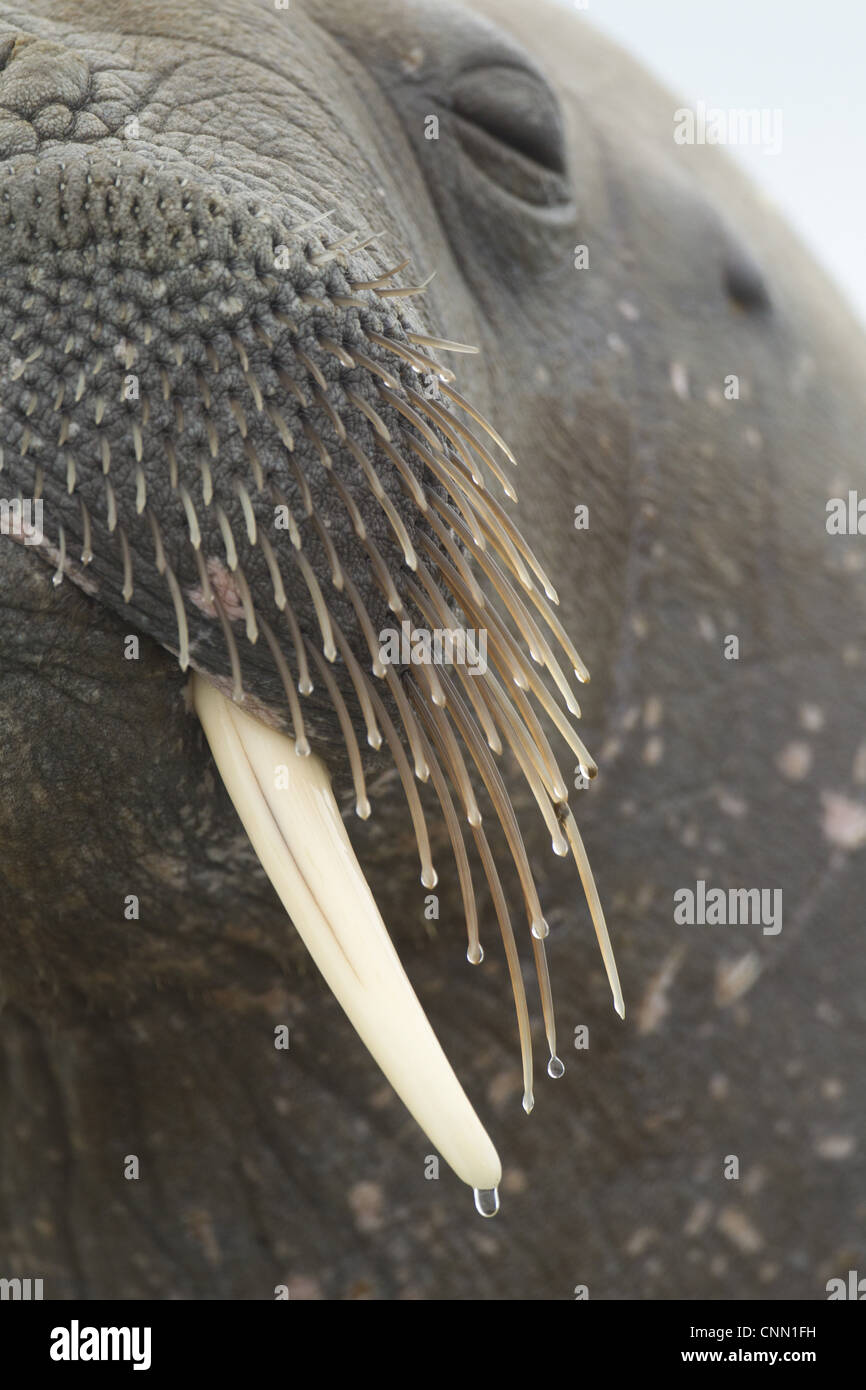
(155, 1037)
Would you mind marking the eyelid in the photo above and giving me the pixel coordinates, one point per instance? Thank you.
(532, 129)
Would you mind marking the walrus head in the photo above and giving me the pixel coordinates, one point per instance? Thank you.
(228, 391)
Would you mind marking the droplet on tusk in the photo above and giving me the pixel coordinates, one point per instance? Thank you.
(295, 827)
(487, 1201)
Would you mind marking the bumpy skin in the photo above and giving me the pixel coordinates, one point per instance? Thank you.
(155, 1037)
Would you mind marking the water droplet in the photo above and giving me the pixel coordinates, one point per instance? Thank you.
(540, 929)
(363, 809)
(486, 1200)
(528, 1102)
(555, 1068)
(430, 880)
(477, 958)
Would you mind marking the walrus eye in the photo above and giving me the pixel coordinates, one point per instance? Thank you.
(517, 110)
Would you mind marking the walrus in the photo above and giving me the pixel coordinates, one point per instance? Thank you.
(218, 313)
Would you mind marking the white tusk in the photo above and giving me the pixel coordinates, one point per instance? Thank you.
(293, 821)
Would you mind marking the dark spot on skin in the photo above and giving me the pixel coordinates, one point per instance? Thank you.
(745, 283)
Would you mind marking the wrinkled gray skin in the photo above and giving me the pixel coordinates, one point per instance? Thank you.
(707, 518)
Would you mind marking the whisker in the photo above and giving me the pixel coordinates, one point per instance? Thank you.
(320, 607)
(231, 648)
(128, 587)
(243, 589)
(429, 877)
(382, 279)
(501, 803)
(416, 360)
(331, 553)
(366, 625)
(87, 536)
(371, 414)
(302, 747)
(436, 614)
(422, 771)
(442, 472)
(362, 804)
(524, 621)
(394, 518)
(274, 569)
(437, 414)
(204, 580)
(440, 344)
(474, 951)
(411, 485)
(479, 419)
(595, 909)
(506, 930)
(361, 685)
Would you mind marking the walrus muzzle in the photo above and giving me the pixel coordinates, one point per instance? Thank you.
(246, 444)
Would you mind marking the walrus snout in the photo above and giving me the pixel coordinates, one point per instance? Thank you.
(183, 379)
(244, 445)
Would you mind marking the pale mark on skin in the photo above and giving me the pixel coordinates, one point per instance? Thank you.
(679, 380)
(719, 1087)
(836, 1147)
(739, 1230)
(367, 1201)
(754, 1181)
(653, 751)
(844, 823)
(812, 718)
(736, 978)
(730, 804)
(795, 761)
(698, 1219)
(832, 1088)
(225, 588)
(655, 1005)
(652, 714)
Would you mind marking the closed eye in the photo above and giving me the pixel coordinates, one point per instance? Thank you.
(517, 109)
